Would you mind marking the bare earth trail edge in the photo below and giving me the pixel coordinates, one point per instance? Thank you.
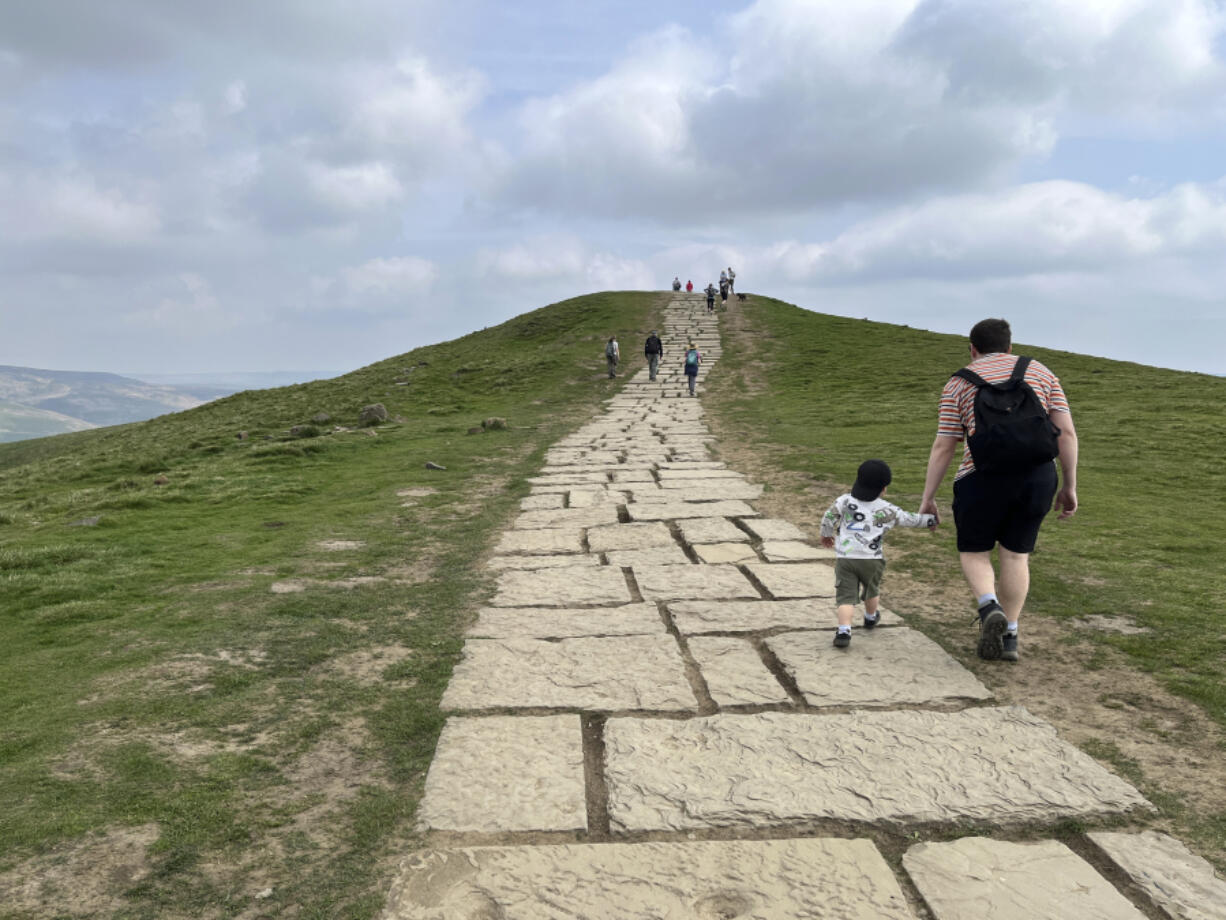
(649, 720)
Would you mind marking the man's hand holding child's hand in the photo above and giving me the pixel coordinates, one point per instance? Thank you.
(828, 542)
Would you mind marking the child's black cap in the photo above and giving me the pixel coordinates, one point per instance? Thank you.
(872, 477)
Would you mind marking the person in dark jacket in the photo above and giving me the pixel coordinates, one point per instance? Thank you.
(653, 350)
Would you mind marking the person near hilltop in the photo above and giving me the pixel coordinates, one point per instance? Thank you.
(653, 350)
(723, 293)
(723, 277)
(1002, 496)
(710, 292)
(731, 280)
(612, 355)
(693, 358)
(689, 287)
(855, 526)
(676, 284)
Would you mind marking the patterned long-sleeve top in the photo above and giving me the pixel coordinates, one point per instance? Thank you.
(859, 528)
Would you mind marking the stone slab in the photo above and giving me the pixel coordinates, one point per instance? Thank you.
(1180, 882)
(669, 511)
(794, 551)
(726, 552)
(628, 536)
(711, 530)
(655, 555)
(712, 488)
(622, 673)
(770, 769)
(976, 877)
(734, 672)
(795, 579)
(697, 470)
(882, 667)
(552, 623)
(543, 501)
(775, 529)
(539, 542)
(569, 586)
(506, 773)
(576, 477)
(840, 879)
(503, 563)
(672, 582)
(756, 616)
(572, 518)
(586, 498)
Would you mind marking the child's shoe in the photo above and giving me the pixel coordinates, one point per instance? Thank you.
(871, 622)
(842, 639)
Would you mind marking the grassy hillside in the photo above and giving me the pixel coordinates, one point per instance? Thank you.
(816, 394)
(241, 666)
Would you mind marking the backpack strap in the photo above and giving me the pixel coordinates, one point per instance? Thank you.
(970, 377)
(1019, 368)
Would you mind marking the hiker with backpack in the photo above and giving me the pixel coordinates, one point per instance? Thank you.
(676, 284)
(693, 358)
(653, 350)
(710, 292)
(612, 354)
(1014, 417)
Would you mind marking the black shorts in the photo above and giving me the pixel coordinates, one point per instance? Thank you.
(1002, 508)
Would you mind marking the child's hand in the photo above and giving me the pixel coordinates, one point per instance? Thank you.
(828, 542)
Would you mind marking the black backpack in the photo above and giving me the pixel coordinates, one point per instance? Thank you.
(1013, 432)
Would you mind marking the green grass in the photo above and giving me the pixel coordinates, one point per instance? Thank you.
(150, 676)
(817, 394)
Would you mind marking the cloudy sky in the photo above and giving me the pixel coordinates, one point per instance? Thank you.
(239, 186)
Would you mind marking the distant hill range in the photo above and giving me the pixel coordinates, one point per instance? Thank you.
(35, 403)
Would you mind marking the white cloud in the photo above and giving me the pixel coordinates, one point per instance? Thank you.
(234, 100)
(1038, 228)
(76, 208)
(363, 187)
(568, 260)
(401, 275)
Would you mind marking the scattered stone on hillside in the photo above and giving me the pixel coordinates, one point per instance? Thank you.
(494, 423)
(431, 465)
(161, 480)
(242, 436)
(87, 522)
(297, 430)
(371, 433)
(340, 545)
(292, 586)
(370, 415)
(320, 418)
(1180, 882)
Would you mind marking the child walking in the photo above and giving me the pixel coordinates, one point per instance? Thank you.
(856, 525)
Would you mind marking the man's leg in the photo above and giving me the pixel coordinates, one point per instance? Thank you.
(1014, 582)
(977, 567)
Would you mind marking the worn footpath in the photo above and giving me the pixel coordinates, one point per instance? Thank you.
(650, 721)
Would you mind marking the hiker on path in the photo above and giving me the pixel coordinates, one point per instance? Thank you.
(676, 284)
(689, 287)
(653, 350)
(1001, 497)
(723, 294)
(855, 526)
(731, 280)
(710, 292)
(693, 358)
(612, 354)
(723, 277)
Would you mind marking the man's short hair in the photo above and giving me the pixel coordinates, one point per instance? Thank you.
(990, 336)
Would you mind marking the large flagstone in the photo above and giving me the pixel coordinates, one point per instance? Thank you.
(757, 616)
(620, 673)
(899, 767)
(668, 582)
(570, 586)
(553, 623)
(839, 879)
(795, 579)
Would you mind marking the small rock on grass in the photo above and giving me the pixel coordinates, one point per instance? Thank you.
(494, 424)
(161, 480)
(431, 465)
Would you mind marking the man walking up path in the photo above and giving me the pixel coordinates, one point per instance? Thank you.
(993, 507)
(653, 350)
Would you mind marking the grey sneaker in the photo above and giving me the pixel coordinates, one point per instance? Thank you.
(842, 639)
(1008, 642)
(992, 626)
(871, 622)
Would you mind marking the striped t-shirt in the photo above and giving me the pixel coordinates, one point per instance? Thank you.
(957, 419)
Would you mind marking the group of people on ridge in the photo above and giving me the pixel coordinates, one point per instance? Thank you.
(1014, 418)
(727, 281)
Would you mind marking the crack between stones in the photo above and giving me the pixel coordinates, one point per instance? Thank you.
(596, 797)
(772, 663)
(693, 673)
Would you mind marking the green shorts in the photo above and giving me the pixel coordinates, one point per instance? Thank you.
(857, 580)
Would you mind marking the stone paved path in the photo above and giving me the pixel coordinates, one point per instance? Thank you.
(656, 666)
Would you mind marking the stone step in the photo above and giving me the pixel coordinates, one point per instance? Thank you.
(703, 880)
(892, 767)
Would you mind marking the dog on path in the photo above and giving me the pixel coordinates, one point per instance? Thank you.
(742, 296)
